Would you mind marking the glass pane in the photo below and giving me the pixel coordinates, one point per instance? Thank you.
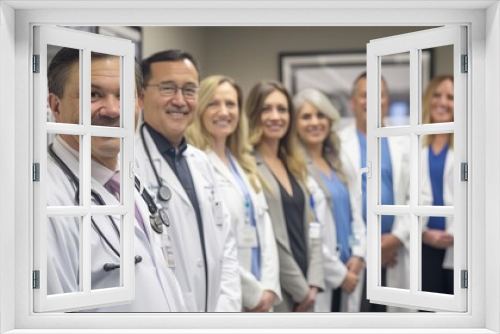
(437, 170)
(395, 257)
(394, 170)
(63, 76)
(106, 253)
(105, 90)
(104, 155)
(437, 254)
(63, 254)
(395, 89)
(437, 87)
(63, 171)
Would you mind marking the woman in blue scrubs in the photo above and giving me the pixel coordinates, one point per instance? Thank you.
(437, 188)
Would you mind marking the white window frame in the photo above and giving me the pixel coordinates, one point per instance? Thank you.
(484, 103)
(87, 43)
(413, 43)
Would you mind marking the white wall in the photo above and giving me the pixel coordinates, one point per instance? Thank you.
(7, 165)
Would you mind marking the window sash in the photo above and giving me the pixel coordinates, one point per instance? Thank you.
(413, 43)
(86, 43)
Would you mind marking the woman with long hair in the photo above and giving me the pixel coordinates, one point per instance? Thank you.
(343, 228)
(437, 187)
(272, 133)
(221, 129)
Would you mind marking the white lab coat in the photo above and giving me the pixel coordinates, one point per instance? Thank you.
(224, 287)
(335, 269)
(156, 288)
(398, 276)
(427, 197)
(234, 199)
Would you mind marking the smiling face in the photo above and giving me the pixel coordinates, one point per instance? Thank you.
(105, 106)
(221, 116)
(312, 125)
(170, 115)
(442, 105)
(275, 116)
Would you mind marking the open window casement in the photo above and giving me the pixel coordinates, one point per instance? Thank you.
(73, 221)
(414, 213)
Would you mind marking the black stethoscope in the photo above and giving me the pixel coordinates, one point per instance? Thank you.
(164, 192)
(157, 218)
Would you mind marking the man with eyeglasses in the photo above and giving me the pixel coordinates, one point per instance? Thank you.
(202, 248)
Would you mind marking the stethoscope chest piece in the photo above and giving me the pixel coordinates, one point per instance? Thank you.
(164, 193)
(156, 223)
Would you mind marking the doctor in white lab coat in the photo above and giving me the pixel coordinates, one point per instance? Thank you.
(395, 257)
(156, 288)
(437, 187)
(221, 129)
(203, 252)
(336, 209)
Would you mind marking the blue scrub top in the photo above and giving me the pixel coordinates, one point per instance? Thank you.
(436, 168)
(386, 182)
(341, 208)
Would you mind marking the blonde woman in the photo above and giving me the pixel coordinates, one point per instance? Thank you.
(220, 128)
(269, 109)
(343, 226)
(437, 176)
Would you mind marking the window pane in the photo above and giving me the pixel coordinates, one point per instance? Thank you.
(395, 257)
(106, 250)
(394, 170)
(63, 169)
(437, 254)
(105, 90)
(105, 169)
(395, 89)
(437, 170)
(63, 104)
(63, 254)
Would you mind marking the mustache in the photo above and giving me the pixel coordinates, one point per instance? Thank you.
(105, 121)
(185, 110)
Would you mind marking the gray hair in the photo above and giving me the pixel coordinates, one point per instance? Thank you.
(320, 101)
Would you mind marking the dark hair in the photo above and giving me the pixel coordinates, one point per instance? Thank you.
(167, 55)
(63, 62)
(363, 76)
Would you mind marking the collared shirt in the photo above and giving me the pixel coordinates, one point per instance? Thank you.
(178, 163)
(386, 183)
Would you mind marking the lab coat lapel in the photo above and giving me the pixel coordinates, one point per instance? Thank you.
(351, 149)
(223, 170)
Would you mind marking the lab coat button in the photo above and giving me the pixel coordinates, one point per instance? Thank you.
(200, 263)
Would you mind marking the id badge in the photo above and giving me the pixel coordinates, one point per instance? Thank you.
(218, 212)
(168, 251)
(247, 237)
(314, 230)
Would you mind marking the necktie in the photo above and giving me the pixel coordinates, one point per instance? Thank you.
(113, 185)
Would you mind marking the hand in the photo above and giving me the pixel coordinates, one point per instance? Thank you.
(350, 282)
(308, 302)
(390, 245)
(265, 303)
(355, 264)
(437, 239)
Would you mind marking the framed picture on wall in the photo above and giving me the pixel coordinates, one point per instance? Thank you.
(334, 73)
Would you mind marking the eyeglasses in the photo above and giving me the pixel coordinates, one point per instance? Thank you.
(169, 89)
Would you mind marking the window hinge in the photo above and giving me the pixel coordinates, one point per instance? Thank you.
(36, 63)
(465, 279)
(465, 64)
(464, 171)
(36, 172)
(36, 279)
